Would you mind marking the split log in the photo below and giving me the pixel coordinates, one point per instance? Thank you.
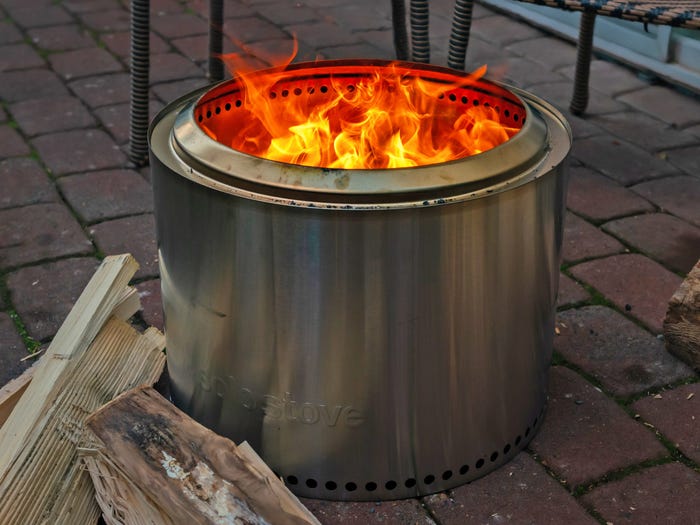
(128, 304)
(92, 359)
(86, 318)
(157, 465)
(682, 322)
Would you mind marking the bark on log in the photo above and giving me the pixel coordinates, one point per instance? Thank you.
(682, 323)
(159, 464)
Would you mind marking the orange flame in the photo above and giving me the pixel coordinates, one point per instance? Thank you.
(390, 118)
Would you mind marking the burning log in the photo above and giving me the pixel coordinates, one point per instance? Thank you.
(94, 356)
(682, 323)
(154, 464)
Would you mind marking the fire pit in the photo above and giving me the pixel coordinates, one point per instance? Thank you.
(372, 333)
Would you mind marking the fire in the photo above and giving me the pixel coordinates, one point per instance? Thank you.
(388, 117)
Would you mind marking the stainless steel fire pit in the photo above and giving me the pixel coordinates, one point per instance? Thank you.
(373, 334)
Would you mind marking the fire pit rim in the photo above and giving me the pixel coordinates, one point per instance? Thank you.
(525, 148)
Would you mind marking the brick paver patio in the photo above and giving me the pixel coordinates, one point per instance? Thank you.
(621, 439)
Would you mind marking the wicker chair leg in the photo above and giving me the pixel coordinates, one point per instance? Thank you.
(140, 64)
(216, 38)
(398, 19)
(579, 100)
(459, 37)
(420, 40)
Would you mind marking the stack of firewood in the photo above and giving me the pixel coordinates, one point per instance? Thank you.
(83, 434)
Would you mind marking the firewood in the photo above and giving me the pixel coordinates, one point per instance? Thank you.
(85, 319)
(128, 304)
(93, 357)
(12, 392)
(682, 323)
(157, 465)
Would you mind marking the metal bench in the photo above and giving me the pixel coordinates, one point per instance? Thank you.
(678, 13)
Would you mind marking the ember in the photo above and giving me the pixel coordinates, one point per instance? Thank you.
(380, 116)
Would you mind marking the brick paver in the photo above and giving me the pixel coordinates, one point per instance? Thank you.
(559, 53)
(29, 84)
(585, 434)
(114, 119)
(26, 17)
(676, 195)
(37, 232)
(83, 63)
(367, 513)
(599, 198)
(61, 38)
(19, 56)
(663, 494)
(103, 90)
(64, 107)
(11, 143)
(634, 283)
(644, 131)
(13, 350)
(501, 30)
(609, 78)
(51, 114)
(107, 194)
(79, 150)
(24, 182)
(151, 302)
(669, 240)
(625, 163)
(687, 159)
(582, 240)
(173, 66)
(519, 492)
(43, 295)
(9, 33)
(135, 235)
(625, 358)
(676, 414)
(665, 104)
(107, 21)
(570, 292)
(87, 6)
(179, 25)
(557, 90)
(119, 43)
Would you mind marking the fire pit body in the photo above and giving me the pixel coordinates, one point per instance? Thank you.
(373, 334)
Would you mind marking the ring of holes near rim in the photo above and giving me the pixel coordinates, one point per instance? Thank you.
(517, 117)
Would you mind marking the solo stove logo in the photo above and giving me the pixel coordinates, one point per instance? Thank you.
(284, 408)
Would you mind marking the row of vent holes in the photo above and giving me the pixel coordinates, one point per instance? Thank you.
(310, 90)
(428, 480)
(475, 102)
(285, 93)
(217, 110)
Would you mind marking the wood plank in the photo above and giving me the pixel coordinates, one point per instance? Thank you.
(82, 324)
(47, 484)
(12, 391)
(184, 471)
(682, 322)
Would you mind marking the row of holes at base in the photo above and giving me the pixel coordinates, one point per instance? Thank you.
(371, 486)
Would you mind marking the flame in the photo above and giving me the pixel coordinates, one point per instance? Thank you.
(388, 118)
